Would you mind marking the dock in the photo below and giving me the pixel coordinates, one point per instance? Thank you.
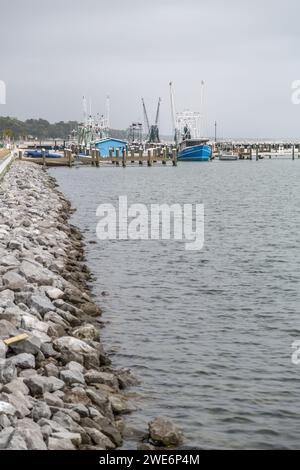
(149, 157)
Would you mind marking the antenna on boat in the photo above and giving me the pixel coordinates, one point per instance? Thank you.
(84, 106)
(107, 111)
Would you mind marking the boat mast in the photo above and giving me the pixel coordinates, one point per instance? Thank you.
(173, 112)
(201, 110)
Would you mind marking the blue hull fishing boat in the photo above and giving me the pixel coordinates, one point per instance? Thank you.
(194, 151)
(187, 126)
(39, 154)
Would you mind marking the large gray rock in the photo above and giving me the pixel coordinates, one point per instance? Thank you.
(5, 436)
(40, 410)
(19, 402)
(31, 433)
(7, 329)
(99, 438)
(73, 349)
(54, 294)
(88, 331)
(164, 432)
(13, 281)
(36, 273)
(53, 400)
(24, 361)
(75, 438)
(40, 303)
(16, 385)
(72, 377)
(13, 315)
(3, 350)
(96, 377)
(16, 442)
(7, 409)
(31, 345)
(7, 298)
(7, 371)
(56, 443)
(38, 385)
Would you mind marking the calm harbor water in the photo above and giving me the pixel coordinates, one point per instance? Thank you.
(210, 332)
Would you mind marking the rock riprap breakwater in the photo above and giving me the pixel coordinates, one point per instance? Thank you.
(57, 389)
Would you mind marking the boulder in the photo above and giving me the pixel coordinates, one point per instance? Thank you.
(73, 349)
(36, 273)
(7, 298)
(41, 303)
(88, 331)
(7, 409)
(13, 281)
(31, 433)
(56, 443)
(24, 361)
(40, 410)
(8, 371)
(31, 345)
(96, 377)
(16, 385)
(164, 432)
(53, 293)
(72, 377)
(3, 350)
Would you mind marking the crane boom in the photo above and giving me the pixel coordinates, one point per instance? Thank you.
(146, 116)
(157, 112)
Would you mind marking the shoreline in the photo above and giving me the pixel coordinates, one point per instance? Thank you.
(56, 383)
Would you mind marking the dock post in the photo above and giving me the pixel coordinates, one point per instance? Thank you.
(140, 156)
(174, 157)
(251, 152)
(124, 157)
(70, 158)
(132, 155)
(293, 152)
(257, 155)
(117, 156)
(110, 154)
(20, 154)
(149, 158)
(164, 157)
(97, 152)
(44, 157)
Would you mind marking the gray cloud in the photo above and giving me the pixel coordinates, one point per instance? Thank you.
(53, 52)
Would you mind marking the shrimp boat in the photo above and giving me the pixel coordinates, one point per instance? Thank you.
(187, 125)
(194, 150)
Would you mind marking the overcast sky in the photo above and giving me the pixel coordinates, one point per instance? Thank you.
(247, 51)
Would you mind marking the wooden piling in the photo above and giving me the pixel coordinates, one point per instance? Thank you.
(70, 158)
(174, 157)
(149, 162)
(251, 152)
(117, 156)
(257, 154)
(132, 155)
(140, 156)
(124, 152)
(164, 157)
(293, 152)
(97, 155)
(20, 154)
(44, 157)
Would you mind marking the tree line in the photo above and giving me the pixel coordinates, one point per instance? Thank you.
(16, 129)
